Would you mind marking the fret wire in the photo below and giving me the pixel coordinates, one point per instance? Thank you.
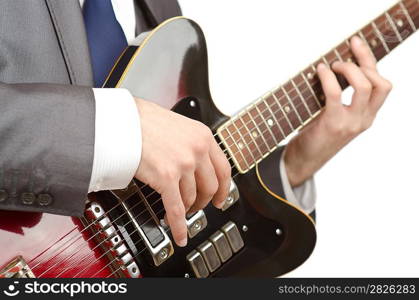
(257, 127)
(325, 61)
(242, 137)
(409, 19)
(250, 131)
(275, 120)
(396, 31)
(292, 104)
(267, 125)
(282, 110)
(378, 33)
(240, 150)
(314, 69)
(338, 54)
(311, 90)
(363, 37)
(301, 96)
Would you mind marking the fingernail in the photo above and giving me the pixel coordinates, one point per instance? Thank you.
(183, 242)
(321, 66)
(357, 40)
(220, 205)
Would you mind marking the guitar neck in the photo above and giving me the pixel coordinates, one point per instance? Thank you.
(258, 129)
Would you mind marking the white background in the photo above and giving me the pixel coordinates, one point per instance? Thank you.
(368, 194)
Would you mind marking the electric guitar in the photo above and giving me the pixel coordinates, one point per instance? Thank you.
(256, 234)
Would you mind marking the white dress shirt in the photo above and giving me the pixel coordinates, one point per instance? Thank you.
(117, 152)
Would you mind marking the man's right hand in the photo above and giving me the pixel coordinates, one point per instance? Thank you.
(183, 163)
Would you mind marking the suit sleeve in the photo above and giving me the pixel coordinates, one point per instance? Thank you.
(47, 137)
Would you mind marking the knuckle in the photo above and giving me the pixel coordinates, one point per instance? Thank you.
(187, 163)
(168, 173)
(364, 87)
(335, 95)
(210, 190)
(387, 86)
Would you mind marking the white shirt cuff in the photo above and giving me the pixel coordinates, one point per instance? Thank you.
(304, 195)
(117, 151)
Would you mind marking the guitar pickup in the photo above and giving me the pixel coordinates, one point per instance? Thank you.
(232, 197)
(153, 235)
(196, 223)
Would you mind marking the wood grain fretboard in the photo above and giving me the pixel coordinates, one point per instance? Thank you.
(258, 129)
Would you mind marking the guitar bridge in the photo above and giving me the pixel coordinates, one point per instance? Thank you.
(17, 268)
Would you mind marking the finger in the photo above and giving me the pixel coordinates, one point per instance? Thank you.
(331, 87)
(357, 79)
(223, 172)
(380, 91)
(363, 54)
(188, 190)
(175, 211)
(206, 184)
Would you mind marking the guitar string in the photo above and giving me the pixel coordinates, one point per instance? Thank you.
(264, 110)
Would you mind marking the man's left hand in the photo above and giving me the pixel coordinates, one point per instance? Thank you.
(338, 124)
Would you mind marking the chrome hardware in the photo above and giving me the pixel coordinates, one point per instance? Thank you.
(245, 228)
(232, 197)
(160, 252)
(278, 232)
(196, 223)
(197, 264)
(221, 245)
(233, 236)
(17, 268)
(114, 245)
(210, 255)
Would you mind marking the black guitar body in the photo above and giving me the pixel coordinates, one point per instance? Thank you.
(170, 68)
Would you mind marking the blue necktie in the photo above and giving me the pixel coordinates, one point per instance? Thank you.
(105, 37)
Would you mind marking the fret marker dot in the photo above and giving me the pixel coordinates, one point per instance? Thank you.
(255, 134)
(374, 43)
(287, 109)
(240, 144)
(400, 23)
(270, 122)
(349, 60)
(310, 76)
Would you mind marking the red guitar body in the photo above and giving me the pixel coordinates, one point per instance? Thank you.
(31, 234)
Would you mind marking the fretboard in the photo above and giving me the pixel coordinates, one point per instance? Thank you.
(257, 130)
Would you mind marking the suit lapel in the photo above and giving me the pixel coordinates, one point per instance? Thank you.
(69, 27)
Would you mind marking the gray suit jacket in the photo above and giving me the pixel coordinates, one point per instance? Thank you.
(47, 108)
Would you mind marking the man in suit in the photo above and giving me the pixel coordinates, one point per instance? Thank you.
(61, 138)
